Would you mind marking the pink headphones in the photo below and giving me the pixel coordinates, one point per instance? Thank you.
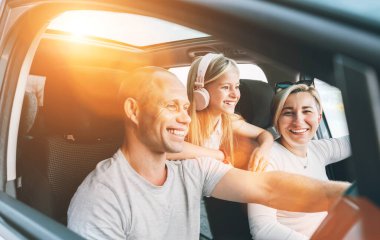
(201, 96)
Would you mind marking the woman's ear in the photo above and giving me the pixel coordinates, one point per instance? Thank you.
(131, 110)
(319, 117)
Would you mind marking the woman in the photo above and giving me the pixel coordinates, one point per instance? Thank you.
(297, 114)
(213, 91)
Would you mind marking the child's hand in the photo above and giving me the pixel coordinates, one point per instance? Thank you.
(258, 160)
(226, 159)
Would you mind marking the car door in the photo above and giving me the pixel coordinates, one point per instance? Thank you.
(17, 220)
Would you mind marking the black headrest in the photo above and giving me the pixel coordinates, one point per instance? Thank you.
(28, 113)
(82, 102)
(255, 102)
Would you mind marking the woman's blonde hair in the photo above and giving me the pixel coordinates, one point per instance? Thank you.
(281, 96)
(201, 126)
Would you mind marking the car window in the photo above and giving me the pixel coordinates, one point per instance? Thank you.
(333, 108)
(247, 71)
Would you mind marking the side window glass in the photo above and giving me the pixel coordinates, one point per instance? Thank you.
(181, 73)
(252, 71)
(333, 108)
(247, 71)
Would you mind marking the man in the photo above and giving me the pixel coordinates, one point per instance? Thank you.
(138, 194)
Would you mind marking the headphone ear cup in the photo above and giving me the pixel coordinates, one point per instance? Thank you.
(202, 99)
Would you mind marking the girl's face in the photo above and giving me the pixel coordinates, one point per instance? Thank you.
(224, 92)
(299, 120)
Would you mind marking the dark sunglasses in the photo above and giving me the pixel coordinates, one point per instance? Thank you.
(283, 85)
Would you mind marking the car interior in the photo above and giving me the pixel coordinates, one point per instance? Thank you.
(71, 118)
(74, 120)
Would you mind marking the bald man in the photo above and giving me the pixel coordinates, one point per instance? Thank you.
(138, 194)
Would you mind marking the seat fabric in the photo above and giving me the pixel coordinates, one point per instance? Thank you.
(79, 125)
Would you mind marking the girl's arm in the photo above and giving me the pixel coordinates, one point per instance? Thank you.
(260, 155)
(193, 151)
(263, 137)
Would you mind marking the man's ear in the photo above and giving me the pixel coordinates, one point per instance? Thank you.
(131, 110)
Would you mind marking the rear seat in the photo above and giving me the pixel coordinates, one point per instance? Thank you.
(79, 125)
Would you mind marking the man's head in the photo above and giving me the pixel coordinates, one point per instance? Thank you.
(155, 108)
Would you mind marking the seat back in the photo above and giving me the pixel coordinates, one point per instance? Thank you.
(28, 114)
(255, 102)
(81, 125)
(27, 120)
(229, 220)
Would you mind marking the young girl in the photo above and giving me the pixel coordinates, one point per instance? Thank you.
(213, 91)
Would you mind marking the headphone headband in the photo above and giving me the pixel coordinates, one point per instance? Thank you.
(202, 68)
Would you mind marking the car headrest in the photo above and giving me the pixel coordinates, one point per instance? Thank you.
(255, 102)
(81, 102)
(28, 113)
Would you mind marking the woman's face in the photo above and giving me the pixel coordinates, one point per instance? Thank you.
(224, 92)
(299, 120)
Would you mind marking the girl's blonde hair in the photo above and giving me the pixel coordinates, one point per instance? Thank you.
(201, 126)
(281, 96)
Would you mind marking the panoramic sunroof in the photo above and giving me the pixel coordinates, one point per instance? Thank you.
(127, 28)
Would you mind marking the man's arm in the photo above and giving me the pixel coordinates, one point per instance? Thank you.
(279, 190)
(191, 151)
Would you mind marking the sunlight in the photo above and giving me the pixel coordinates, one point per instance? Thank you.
(122, 27)
(78, 27)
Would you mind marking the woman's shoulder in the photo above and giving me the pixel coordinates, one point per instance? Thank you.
(277, 156)
(277, 148)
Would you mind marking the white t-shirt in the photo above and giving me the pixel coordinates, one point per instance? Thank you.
(216, 137)
(115, 202)
(269, 223)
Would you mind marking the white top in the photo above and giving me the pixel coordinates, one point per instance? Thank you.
(215, 138)
(115, 202)
(269, 223)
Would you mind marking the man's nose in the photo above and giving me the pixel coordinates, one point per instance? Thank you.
(184, 117)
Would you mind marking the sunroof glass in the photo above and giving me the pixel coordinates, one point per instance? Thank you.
(127, 28)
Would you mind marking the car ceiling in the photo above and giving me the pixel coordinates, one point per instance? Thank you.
(58, 50)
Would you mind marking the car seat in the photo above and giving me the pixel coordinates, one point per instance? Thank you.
(28, 114)
(229, 220)
(78, 126)
(27, 120)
